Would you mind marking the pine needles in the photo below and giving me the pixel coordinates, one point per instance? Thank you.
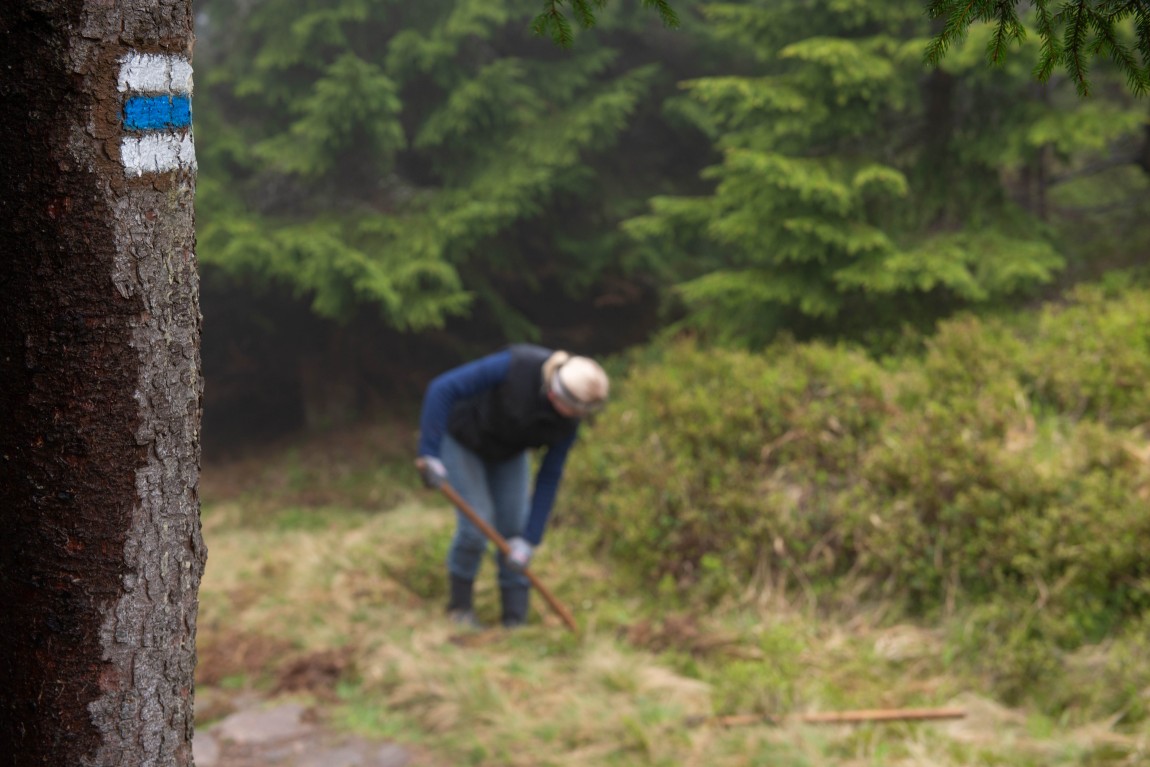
(553, 22)
(1071, 36)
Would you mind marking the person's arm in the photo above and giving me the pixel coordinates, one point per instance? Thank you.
(448, 388)
(546, 486)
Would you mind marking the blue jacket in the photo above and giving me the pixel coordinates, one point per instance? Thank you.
(496, 407)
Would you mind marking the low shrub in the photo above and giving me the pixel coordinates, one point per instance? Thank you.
(1090, 358)
(1007, 461)
(711, 459)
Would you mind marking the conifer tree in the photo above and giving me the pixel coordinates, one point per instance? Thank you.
(859, 187)
(398, 154)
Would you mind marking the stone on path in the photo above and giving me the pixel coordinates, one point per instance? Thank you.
(205, 749)
(357, 753)
(279, 736)
(267, 725)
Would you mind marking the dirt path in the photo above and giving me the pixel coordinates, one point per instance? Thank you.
(287, 734)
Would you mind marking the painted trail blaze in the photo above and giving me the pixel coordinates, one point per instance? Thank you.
(157, 114)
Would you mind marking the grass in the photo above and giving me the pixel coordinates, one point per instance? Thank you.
(325, 580)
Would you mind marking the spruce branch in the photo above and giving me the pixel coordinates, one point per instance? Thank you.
(1050, 51)
(1073, 44)
(1009, 29)
(958, 16)
(1141, 23)
(665, 11)
(1069, 38)
(552, 21)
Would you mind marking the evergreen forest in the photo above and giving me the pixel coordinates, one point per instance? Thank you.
(373, 174)
(874, 297)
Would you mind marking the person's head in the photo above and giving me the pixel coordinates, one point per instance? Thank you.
(577, 386)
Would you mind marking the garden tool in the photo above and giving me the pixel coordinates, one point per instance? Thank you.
(501, 543)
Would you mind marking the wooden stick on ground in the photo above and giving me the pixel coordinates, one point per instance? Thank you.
(838, 717)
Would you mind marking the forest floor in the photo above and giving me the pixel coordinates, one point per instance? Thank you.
(322, 643)
(257, 703)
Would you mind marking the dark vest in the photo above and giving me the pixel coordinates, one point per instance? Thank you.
(514, 416)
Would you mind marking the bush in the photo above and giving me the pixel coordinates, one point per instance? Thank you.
(707, 457)
(1091, 358)
(975, 490)
(1000, 464)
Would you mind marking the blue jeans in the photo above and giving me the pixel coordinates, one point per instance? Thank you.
(499, 494)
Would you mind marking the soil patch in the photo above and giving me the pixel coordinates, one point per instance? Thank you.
(316, 674)
(222, 655)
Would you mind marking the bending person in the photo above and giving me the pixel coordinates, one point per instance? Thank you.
(479, 423)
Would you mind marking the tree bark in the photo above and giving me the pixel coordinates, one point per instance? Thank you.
(100, 386)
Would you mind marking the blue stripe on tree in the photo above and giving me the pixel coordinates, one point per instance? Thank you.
(157, 112)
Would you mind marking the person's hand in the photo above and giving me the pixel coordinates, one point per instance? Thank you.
(432, 471)
(519, 553)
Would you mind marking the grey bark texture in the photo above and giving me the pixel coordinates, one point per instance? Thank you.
(100, 398)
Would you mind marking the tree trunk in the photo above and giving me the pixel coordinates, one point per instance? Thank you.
(100, 386)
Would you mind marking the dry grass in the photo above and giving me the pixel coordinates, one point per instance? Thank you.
(343, 603)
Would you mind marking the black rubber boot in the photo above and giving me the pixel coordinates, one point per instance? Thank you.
(515, 599)
(459, 606)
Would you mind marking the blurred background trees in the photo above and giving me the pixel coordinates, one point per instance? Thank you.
(386, 188)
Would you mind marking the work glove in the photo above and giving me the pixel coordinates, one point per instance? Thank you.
(519, 553)
(432, 471)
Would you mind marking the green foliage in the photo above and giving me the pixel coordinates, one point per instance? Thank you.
(734, 452)
(853, 180)
(1003, 642)
(553, 22)
(338, 262)
(377, 153)
(353, 105)
(434, 160)
(766, 685)
(1008, 464)
(1106, 379)
(967, 496)
(1070, 36)
(1115, 680)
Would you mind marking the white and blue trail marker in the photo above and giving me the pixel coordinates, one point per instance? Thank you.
(157, 115)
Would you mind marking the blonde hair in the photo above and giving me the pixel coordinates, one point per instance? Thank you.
(553, 363)
(576, 377)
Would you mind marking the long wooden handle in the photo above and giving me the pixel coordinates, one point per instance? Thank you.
(493, 535)
(881, 715)
(840, 717)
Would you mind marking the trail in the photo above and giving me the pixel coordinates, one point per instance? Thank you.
(264, 733)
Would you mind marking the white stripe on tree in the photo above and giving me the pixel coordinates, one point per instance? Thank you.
(155, 73)
(157, 153)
